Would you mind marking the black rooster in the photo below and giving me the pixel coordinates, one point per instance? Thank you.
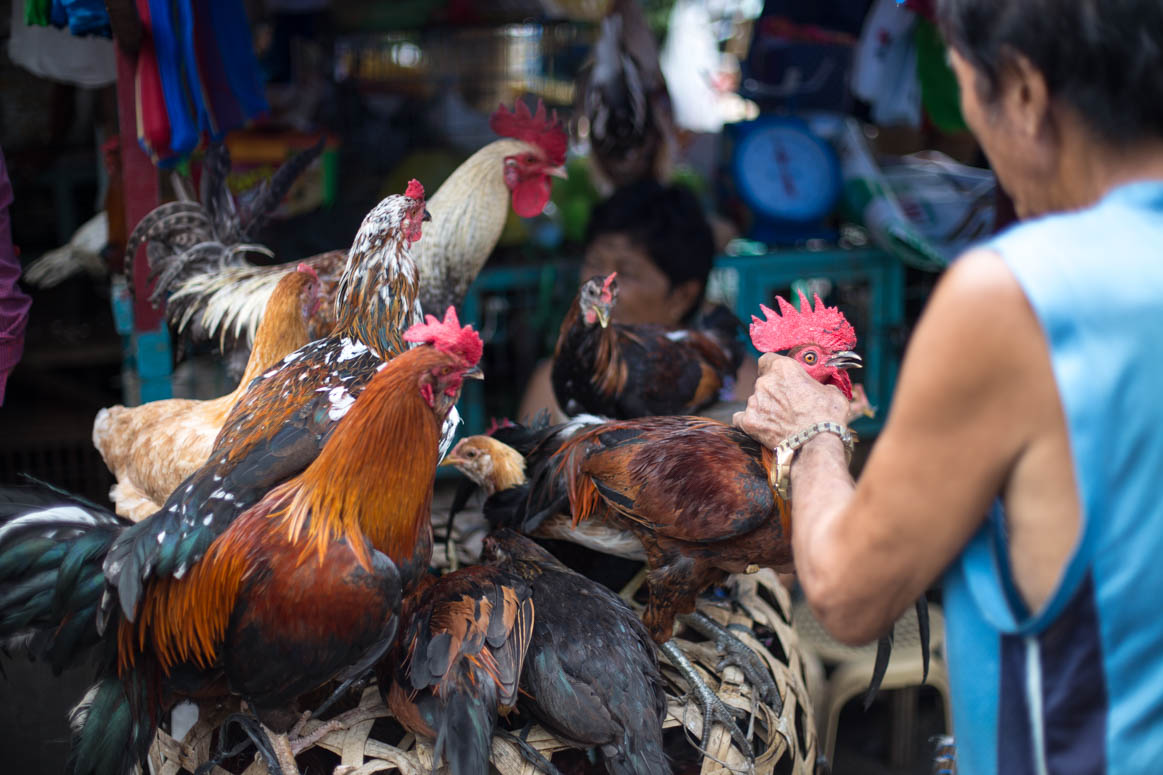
(591, 673)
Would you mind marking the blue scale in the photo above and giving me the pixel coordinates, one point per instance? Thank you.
(787, 176)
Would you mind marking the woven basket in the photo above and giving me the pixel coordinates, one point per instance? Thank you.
(786, 739)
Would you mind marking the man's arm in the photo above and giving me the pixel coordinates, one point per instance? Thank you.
(962, 415)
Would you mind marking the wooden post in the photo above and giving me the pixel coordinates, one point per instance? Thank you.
(150, 338)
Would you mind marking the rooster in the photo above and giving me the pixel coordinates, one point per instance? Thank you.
(624, 371)
(700, 496)
(301, 588)
(621, 93)
(458, 662)
(282, 421)
(468, 210)
(583, 637)
(153, 447)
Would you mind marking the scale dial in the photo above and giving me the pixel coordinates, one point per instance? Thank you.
(784, 172)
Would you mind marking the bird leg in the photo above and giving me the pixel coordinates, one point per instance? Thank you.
(713, 708)
(736, 653)
(256, 734)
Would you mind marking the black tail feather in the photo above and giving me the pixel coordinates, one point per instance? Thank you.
(923, 629)
(110, 733)
(883, 652)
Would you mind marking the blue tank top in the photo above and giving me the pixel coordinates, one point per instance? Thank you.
(1077, 687)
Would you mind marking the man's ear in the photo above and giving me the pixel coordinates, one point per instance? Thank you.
(682, 297)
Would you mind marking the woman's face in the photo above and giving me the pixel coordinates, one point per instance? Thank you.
(1014, 133)
(644, 292)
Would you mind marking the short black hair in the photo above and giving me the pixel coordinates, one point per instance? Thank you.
(666, 221)
(1103, 58)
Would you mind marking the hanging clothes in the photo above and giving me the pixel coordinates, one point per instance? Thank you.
(87, 17)
(153, 123)
(14, 303)
(55, 54)
(36, 12)
(198, 74)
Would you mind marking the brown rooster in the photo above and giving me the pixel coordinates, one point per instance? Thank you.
(153, 447)
(279, 426)
(301, 588)
(458, 662)
(624, 371)
(468, 212)
(621, 93)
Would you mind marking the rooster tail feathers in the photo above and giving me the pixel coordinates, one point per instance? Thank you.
(215, 193)
(108, 734)
(51, 579)
(464, 736)
(273, 189)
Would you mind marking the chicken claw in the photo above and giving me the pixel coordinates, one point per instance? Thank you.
(713, 708)
(736, 653)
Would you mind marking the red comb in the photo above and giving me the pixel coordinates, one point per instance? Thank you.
(543, 131)
(307, 269)
(495, 426)
(607, 294)
(414, 190)
(447, 336)
(822, 325)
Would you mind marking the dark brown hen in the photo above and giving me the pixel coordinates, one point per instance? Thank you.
(458, 662)
(625, 371)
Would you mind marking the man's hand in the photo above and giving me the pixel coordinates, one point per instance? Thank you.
(786, 400)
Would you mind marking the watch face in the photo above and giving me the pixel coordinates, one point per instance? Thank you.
(787, 173)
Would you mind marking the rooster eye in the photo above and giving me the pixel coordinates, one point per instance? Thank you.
(810, 358)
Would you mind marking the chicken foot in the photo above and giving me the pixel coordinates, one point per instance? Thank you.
(257, 735)
(713, 708)
(736, 653)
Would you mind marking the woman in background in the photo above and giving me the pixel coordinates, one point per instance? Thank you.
(658, 240)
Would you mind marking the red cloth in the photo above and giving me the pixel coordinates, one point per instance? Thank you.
(14, 303)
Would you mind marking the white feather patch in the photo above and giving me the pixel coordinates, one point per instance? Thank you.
(54, 519)
(341, 401)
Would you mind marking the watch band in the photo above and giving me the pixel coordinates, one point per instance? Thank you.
(786, 450)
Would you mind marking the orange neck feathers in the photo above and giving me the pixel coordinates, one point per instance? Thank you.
(374, 476)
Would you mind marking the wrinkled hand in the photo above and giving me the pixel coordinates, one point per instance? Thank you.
(786, 400)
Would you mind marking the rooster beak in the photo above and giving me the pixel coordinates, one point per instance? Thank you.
(474, 373)
(603, 316)
(451, 460)
(846, 359)
(427, 215)
(557, 172)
